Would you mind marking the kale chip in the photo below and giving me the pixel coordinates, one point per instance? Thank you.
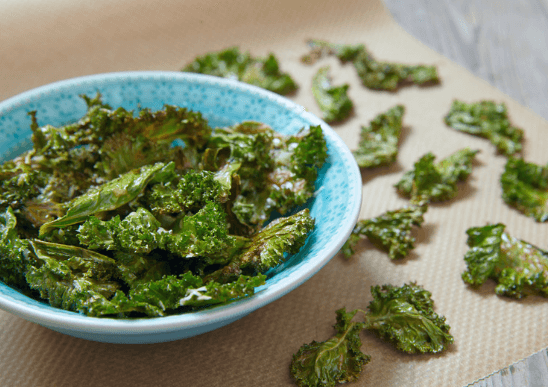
(525, 187)
(518, 267)
(231, 63)
(486, 119)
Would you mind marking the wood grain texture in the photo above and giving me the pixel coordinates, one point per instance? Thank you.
(502, 41)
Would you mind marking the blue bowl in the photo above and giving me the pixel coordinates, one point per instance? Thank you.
(223, 102)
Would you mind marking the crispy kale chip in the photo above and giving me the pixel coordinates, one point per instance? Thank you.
(231, 63)
(138, 233)
(269, 247)
(379, 141)
(337, 360)
(69, 276)
(390, 231)
(171, 294)
(489, 120)
(333, 101)
(14, 252)
(374, 74)
(109, 196)
(276, 172)
(405, 316)
(402, 315)
(437, 182)
(525, 187)
(518, 267)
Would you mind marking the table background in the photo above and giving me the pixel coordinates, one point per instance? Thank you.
(501, 41)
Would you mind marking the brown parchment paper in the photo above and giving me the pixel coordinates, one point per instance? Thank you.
(42, 42)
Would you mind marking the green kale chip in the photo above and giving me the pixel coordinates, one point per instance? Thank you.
(518, 267)
(337, 360)
(69, 276)
(489, 120)
(231, 63)
(109, 196)
(269, 247)
(379, 141)
(390, 231)
(525, 187)
(170, 294)
(14, 252)
(138, 233)
(437, 182)
(374, 74)
(402, 315)
(276, 172)
(333, 101)
(405, 316)
(191, 192)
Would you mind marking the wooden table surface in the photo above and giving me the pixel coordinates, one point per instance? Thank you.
(505, 43)
(502, 41)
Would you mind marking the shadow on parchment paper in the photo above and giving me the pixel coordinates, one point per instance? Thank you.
(396, 365)
(488, 290)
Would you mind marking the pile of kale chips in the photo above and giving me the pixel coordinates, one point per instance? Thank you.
(107, 217)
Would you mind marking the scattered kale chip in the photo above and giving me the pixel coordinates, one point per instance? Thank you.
(402, 315)
(390, 231)
(405, 317)
(337, 360)
(333, 101)
(489, 120)
(437, 182)
(518, 267)
(373, 74)
(108, 217)
(231, 63)
(379, 141)
(525, 187)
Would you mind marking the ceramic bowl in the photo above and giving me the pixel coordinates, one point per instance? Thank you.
(335, 206)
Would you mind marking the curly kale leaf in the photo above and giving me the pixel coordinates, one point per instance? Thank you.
(276, 172)
(70, 276)
(437, 182)
(231, 63)
(337, 360)
(391, 231)
(269, 247)
(518, 267)
(189, 193)
(320, 49)
(147, 139)
(109, 196)
(379, 141)
(13, 251)
(374, 74)
(20, 183)
(333, 101)
(390, 76)
(139, 233)
(489, 120)
(204, 234)
(525, 187)
(297, 160)
(169, 294)
(405, 316)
